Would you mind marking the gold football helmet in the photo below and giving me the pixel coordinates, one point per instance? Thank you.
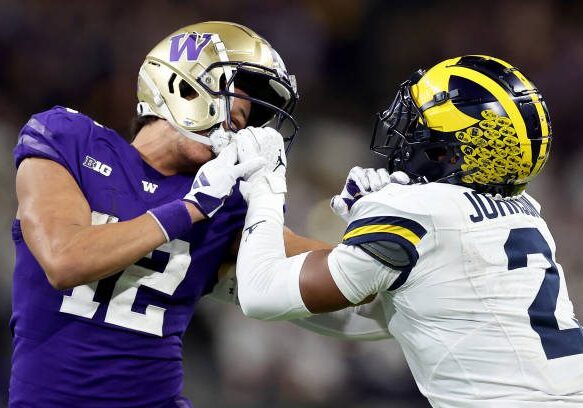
(189, 79)
(473, 120)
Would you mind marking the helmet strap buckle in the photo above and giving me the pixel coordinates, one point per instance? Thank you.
(439, 98)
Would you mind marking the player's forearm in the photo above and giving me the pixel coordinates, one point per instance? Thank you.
(272, 286)
(359, 323)
(296, 244)
(82, 254)
(76, 255)
(268, 282)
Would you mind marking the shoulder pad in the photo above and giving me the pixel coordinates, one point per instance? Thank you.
(61, 121)
(56, 134)
(388, 253)
(390, 239)
(390, 224)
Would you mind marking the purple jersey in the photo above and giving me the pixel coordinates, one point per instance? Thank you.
(116, 342)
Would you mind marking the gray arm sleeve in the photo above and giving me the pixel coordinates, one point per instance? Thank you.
(360, 323)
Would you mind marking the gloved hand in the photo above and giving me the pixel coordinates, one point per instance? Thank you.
(265, 143)
(361, 182)
(225, 290)
(215, 179)
(220, 138)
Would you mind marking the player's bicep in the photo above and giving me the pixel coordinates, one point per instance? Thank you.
(50, 205)
(345, 276)
(317, 287)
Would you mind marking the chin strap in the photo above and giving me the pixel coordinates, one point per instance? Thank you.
(457, 175)
(217, 138)
(144, 109)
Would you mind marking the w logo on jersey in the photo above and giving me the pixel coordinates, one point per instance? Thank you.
(193, 45)
(149, 187)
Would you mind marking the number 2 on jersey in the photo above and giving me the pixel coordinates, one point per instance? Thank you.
(556, 343)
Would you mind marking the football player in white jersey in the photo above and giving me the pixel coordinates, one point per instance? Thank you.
(461, 258)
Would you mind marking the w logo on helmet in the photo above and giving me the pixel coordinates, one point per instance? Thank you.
(193, 45)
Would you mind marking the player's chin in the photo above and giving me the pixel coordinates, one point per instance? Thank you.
(195, 153)
(202, 154)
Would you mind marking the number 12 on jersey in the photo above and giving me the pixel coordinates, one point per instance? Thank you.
(164, 278)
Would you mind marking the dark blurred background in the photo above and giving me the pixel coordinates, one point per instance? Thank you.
(348, 57)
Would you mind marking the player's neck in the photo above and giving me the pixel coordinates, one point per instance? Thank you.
(154, 143)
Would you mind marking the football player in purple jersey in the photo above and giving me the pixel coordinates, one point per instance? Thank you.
(116, 242)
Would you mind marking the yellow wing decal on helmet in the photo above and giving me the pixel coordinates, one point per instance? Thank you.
(450, 118)
(447, 118)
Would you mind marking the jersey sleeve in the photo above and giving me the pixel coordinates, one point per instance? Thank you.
(59, 134)
(389, 227)
(390, 240)
(358, 276)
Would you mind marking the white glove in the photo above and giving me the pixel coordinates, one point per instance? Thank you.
(225, 290)
(220, 138)
(361, 182)
(266, 143)
(215, 179)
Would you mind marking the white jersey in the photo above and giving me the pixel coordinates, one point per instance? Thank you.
(481, 308)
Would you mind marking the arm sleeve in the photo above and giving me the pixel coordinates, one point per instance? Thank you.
(225, 290)
(359, 323)
(268, 282)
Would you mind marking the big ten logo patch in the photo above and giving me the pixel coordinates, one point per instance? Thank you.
(97, 166)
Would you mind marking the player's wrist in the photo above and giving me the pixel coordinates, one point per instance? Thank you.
(259, 190)
(173, 218)
(195, 213)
